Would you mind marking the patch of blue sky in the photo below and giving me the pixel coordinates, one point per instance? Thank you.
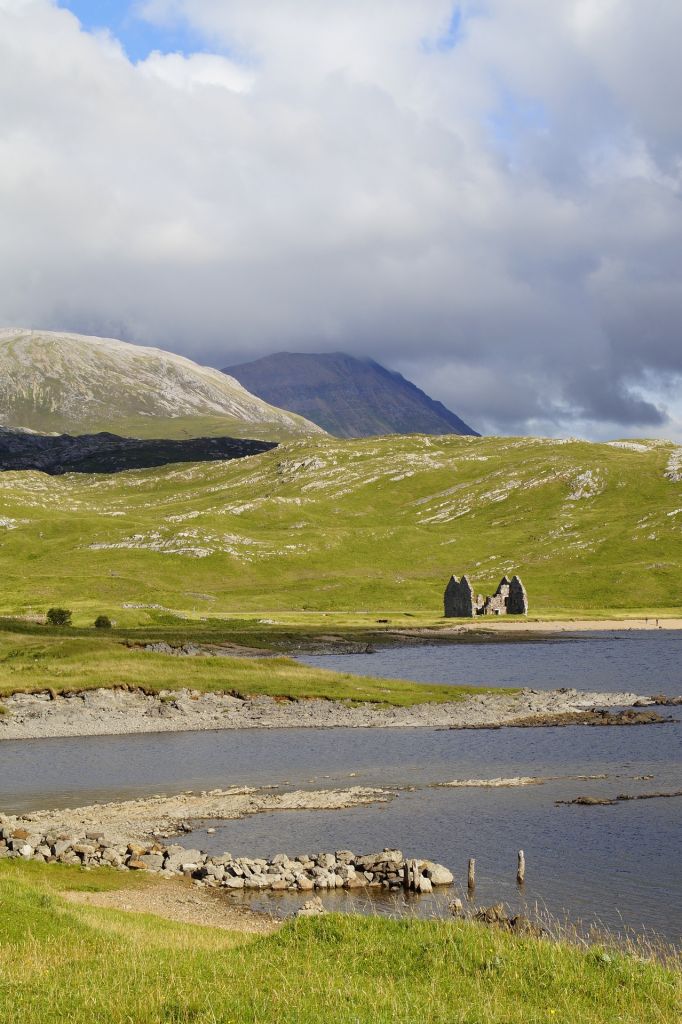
(449, 38)
(138, 36)
(514, 118)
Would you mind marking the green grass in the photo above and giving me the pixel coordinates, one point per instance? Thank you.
(60, 962)
(374, 525)
(64, 663)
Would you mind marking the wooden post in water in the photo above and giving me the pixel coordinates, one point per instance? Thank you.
(471, 874)
(521, 869)
(412, 875)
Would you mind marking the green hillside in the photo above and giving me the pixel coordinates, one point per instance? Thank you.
(376, 524)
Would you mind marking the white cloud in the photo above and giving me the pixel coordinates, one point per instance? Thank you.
(196, 71)
(501, 216)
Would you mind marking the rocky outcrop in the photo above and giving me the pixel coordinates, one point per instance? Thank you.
(303, 873)
(108, 453)
(461, 602)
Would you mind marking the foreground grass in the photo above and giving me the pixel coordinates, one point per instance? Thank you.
(363, 525)
(59, 962)
(30, 663)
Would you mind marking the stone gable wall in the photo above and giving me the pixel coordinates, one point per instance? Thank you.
(510, 598)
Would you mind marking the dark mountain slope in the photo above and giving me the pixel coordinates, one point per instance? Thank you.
(347, 396)
(107, 453)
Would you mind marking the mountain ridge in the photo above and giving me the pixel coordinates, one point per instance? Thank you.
(348, 396)
(59, 382)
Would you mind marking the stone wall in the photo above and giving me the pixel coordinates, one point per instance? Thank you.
(460, 602)
(340, 870)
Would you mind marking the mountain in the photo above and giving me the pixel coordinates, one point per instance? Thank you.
(69, 383)
(107, 453)
(347, 396)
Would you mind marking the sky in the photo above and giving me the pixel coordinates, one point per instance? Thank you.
(485, 196)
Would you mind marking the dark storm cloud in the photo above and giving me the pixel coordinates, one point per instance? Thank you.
(495, 211)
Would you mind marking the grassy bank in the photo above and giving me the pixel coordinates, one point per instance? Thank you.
(30, 662)
(351, 526)
(60, 962)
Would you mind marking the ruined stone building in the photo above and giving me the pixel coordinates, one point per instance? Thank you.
(461, 603)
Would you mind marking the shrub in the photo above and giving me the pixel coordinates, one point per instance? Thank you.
(59, 617)
(102, 622)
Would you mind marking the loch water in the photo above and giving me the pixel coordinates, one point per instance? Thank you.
(633, 661)
(618, 865)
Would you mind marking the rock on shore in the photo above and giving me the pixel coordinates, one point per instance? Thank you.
(118, 711)
(148, 818)
(342, 869)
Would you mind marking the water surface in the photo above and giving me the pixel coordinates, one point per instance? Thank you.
(619, 865)
(636, 661)
(615, 864)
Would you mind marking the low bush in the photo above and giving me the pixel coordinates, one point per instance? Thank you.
(102, 622)
(59, 617)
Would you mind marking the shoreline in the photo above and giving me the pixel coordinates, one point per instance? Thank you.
(549, 626)
(148, 818)
(120, 712)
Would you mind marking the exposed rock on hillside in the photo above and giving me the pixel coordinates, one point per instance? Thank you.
(349, 397)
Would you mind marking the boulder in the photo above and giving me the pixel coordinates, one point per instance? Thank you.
(152, 861)
(438, 874)
(257, 882)
(522, 925)
(184, 860)
(60, 846)
(355, 881)
(112, 857)
(492, 915)
(311, 908)
(230, 882)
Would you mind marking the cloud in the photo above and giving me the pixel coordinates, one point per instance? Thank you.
(485, 196)
(196, 71)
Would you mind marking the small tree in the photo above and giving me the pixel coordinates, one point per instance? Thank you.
(59, 617)
(102, 622)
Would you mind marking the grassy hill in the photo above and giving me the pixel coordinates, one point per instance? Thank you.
(370, 525)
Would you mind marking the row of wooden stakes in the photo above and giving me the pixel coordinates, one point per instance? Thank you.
(520, 870)
(413, 876)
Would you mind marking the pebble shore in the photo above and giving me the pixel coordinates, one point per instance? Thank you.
(119, 711)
